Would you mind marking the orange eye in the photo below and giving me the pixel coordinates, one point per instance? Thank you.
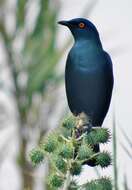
(81, 25)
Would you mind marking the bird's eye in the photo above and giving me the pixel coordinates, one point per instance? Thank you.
(81, 25)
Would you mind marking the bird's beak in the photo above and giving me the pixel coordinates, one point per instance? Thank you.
(63, 22)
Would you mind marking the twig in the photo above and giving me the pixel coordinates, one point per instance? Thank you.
(67, 181)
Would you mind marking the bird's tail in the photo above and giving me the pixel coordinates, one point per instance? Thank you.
(92, 162)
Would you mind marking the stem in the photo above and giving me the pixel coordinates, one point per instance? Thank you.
(65, 139)
(26, 168)
(67, 181)
(115, 157)
(94, 155)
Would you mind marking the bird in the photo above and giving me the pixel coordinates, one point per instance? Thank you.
(88, 73)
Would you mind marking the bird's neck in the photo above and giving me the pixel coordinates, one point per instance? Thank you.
(91, 44)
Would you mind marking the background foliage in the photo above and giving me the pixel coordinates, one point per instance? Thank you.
(33, 70)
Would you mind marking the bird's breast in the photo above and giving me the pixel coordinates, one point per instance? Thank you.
(86, 58)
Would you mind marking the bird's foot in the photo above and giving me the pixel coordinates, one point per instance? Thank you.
(83, 123)
(82, 120)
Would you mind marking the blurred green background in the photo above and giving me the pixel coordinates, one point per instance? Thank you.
(33, 50)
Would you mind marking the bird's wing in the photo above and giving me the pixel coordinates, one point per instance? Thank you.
(110, 65)
(89, 92)
(69, 84)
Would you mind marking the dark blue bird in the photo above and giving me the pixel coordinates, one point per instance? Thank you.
(89, 73)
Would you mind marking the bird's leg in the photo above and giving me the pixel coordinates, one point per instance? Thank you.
(87, 128)
(82, 120)
(83, 123)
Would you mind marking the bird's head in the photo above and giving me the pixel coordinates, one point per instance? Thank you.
(81, 28)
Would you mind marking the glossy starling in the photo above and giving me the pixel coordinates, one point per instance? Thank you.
(88, 73)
